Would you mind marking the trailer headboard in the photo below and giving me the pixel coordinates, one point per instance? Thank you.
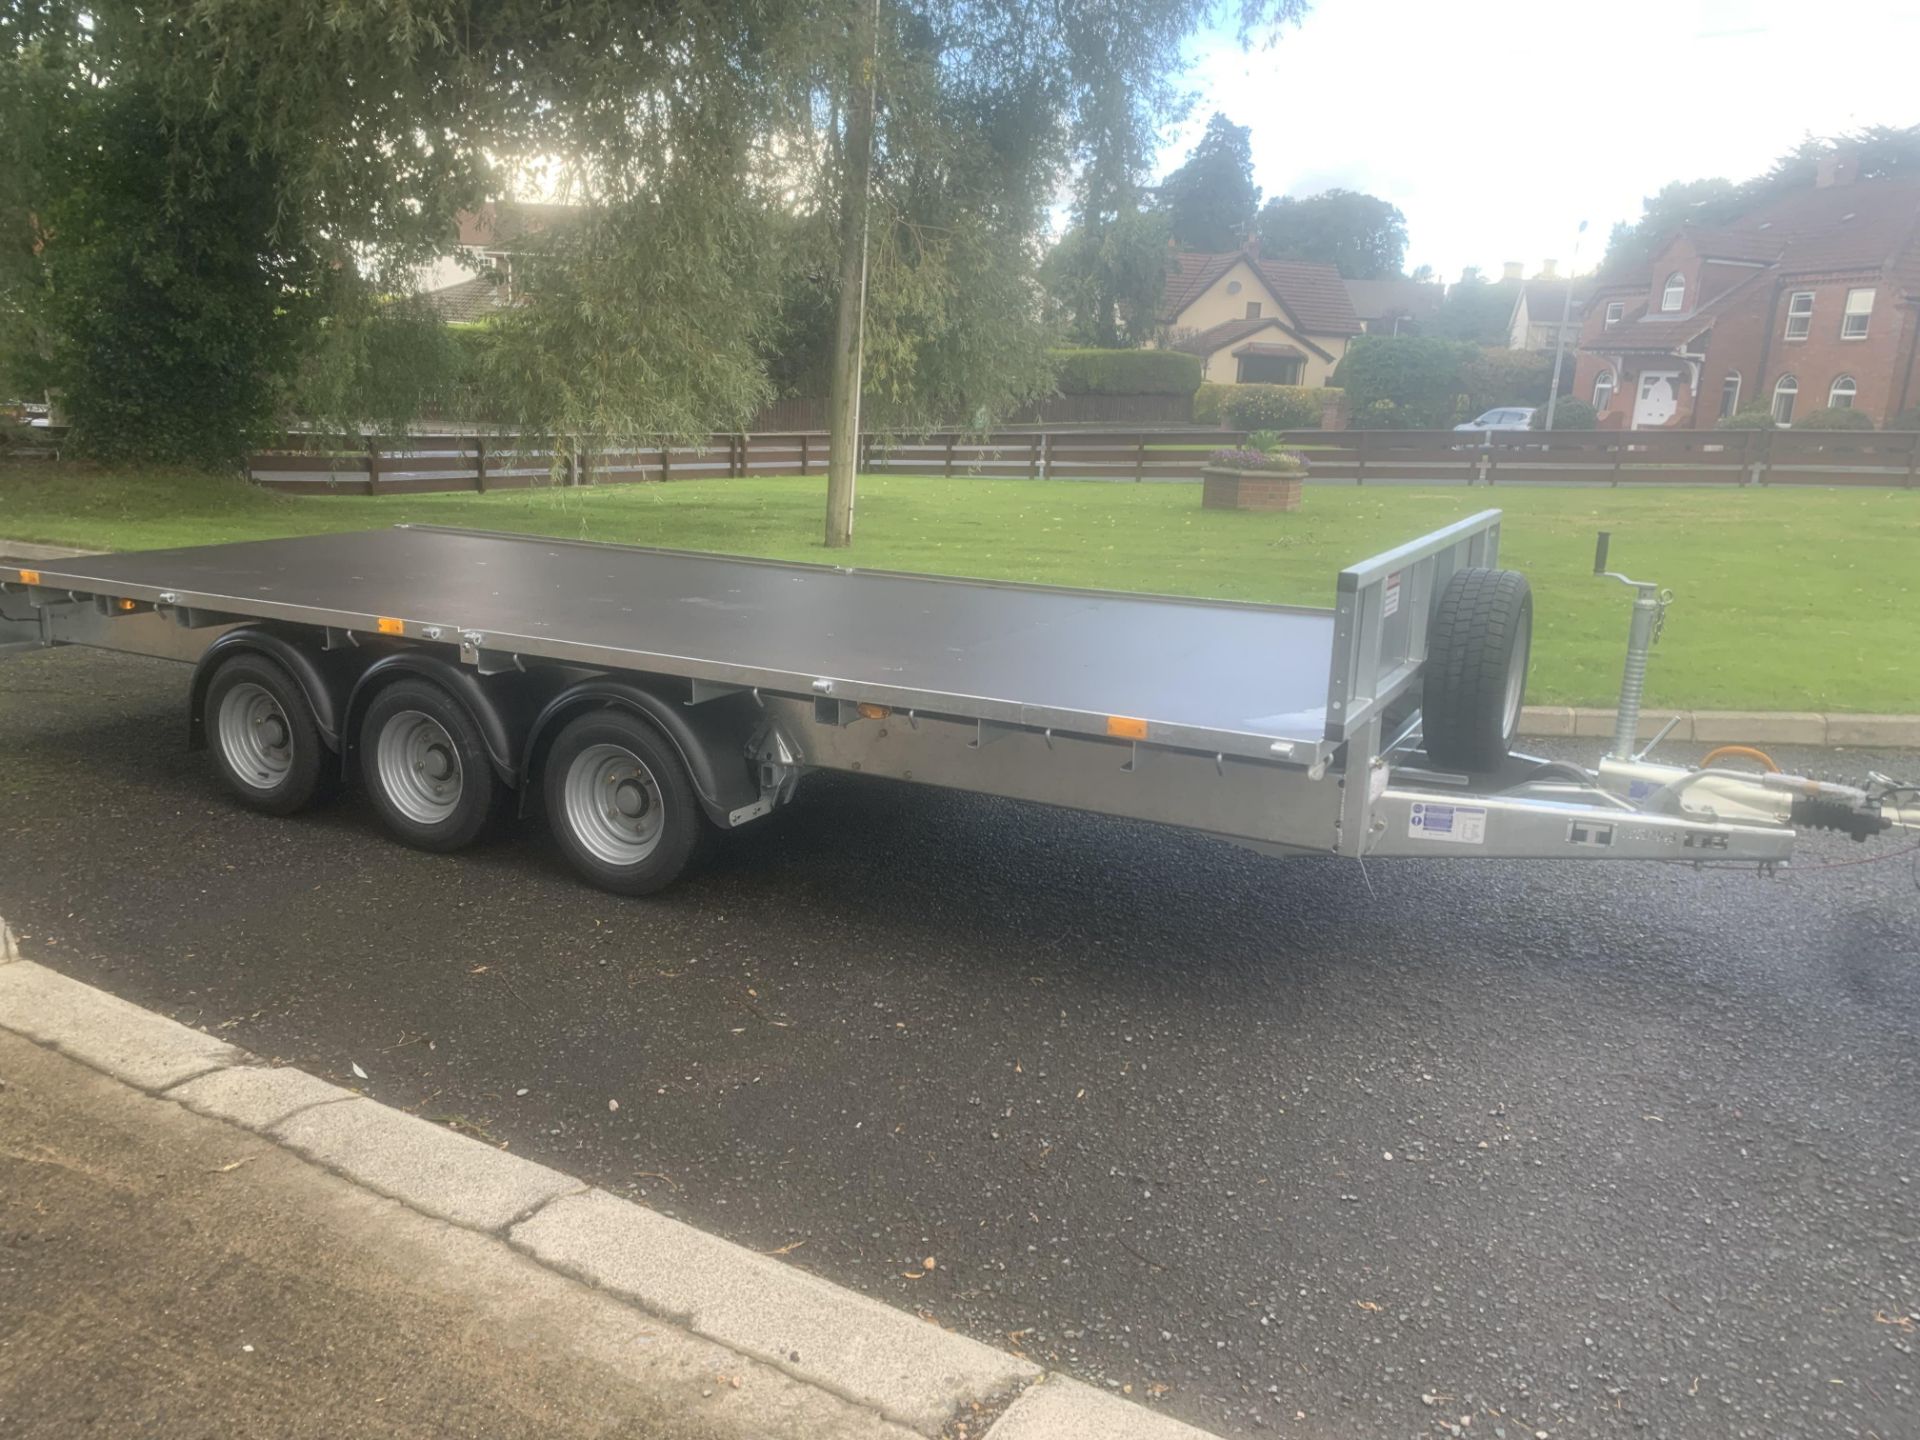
(1380, 617)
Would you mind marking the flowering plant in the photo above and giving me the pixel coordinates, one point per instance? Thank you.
(1242, 459)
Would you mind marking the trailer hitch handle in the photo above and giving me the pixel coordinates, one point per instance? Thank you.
(1600, 552)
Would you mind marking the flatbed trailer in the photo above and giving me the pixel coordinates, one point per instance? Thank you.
(654, 699)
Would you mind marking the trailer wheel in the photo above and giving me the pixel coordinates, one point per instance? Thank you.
(1478, 644)
(266, 744)
(621, 804)
(426, 766)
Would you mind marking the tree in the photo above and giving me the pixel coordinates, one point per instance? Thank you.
(713, 146)
(1476, 310)
(1701, 202)
(1362, 236)
(1423, 274)
(1210, 200)
(1107, 284)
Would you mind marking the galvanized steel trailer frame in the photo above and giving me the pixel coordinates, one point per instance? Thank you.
(1289, 729)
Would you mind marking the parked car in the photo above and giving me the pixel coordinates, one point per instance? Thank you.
(1509, 417)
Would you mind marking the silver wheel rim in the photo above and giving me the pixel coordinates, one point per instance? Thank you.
(255, 736)
(614, 805)
(1516, 680)
(419, 767)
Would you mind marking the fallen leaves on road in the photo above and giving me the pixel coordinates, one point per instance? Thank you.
(479, 970)
(1899, 1322)
(354, 1065)
(243, 1160)
(785, 1249)
(928, 1263)
(613, 1104)
(1372, 1306)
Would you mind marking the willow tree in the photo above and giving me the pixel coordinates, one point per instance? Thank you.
(730, 157)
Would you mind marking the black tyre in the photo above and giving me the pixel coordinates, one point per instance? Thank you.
(426, 766)
(1479, 641)
(621, 803)
(265, 741)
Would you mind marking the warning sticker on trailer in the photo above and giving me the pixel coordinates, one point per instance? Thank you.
(1458, 824)
(1390, 603)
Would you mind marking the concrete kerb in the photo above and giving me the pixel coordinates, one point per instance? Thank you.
(900, 1367)
(1732, 727)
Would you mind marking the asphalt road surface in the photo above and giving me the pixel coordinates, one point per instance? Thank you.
(1575, 1149)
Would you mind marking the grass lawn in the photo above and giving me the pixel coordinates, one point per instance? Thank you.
(1787, 599)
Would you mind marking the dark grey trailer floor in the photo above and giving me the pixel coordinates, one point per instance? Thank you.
(1234, 676)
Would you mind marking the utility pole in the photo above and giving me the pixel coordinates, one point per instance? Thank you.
(843, 405)
(1560, 335)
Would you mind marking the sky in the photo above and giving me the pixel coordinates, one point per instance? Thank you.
(1497, 126)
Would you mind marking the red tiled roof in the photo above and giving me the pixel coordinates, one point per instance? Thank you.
(498, 224)
(470, 300)
(1314, 295)
(1821, 229)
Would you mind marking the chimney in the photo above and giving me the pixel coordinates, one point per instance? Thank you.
(1512, 269)
(1835, 167)
(1549, 269)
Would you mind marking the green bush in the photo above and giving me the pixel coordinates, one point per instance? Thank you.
(1749, 417)
(1209, 403)
(1568, 414)
(1511, 377)
(1905, 420)
(1275, 407)
(1126, 372)
(1847, 419)
(1405, 381)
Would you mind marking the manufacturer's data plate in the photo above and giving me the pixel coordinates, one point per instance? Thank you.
(1452, 824)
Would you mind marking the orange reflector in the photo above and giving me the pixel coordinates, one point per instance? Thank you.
(872, 712)
(125, 604)
(1126, 727)
(29, 577)
(390, 626)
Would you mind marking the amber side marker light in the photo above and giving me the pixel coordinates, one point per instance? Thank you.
(29, 577)
(873, 712)
(1126, 727)
(387, 625)
(124, 606)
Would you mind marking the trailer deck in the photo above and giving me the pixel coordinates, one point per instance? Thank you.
(1234, 677)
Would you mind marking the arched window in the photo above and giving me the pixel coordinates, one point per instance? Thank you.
(1840, 397)
(1730, 394)
(1675, 295)
(1602, 390)
(1785, 389)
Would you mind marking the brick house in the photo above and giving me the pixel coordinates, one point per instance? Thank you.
(475, 277)
(1809, 300)
(1254, 321)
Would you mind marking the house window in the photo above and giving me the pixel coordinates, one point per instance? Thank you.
(1616, 312)
(1602, 389)
(1270, 370)
(1841, 396)
(1675, 295)
(1785, 389)
(1730, 394)
(1253, 310)
(1853, 324)
(1799, 314)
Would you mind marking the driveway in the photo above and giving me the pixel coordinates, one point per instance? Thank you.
(1563, 1148)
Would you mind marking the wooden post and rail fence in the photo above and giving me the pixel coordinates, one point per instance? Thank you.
(417, 464)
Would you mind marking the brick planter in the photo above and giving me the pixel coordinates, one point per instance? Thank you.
(1223, 489)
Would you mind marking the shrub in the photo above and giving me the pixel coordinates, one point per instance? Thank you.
(1749, 417)
(1510, 377)
(1568, 414)
(1209, 403)
(1405, 381)
(1126, 372)
(1274, 407)
(1846, 419)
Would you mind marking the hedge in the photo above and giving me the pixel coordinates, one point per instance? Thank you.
(1264, 408)
(1126, 372)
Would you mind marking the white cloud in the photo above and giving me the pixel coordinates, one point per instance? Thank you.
(1498, 126)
